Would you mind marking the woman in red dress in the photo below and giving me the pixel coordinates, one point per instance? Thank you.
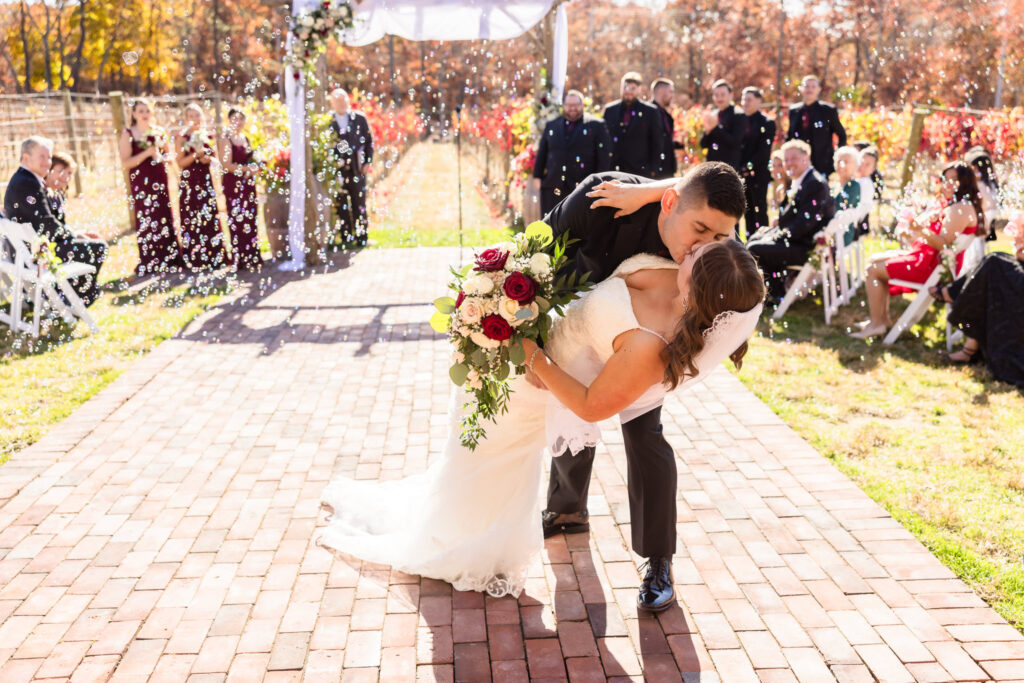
(202, 239)
(236, 156)
(144, 149)
(959, 213)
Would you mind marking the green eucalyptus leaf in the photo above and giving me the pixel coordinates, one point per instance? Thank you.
(445, 304)
(440, 322)
(459, 372)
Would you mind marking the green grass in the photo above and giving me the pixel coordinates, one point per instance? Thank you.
(417, 205)
(45, 379)
(937, 445)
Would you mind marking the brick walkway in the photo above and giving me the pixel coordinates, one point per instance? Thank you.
(166, 529)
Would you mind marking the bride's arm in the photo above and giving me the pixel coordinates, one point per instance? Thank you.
(627, 197)
(634, 368)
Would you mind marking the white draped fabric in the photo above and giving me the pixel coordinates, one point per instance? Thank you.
(295, 101)
(444, 19)
(560, 56)
(414, 20)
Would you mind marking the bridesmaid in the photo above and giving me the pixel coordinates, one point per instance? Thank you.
(143, 152)
(236, 156)
(202, 239)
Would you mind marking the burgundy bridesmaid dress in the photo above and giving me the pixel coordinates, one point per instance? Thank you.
(202, 239)
(240, 194)
(151, 203)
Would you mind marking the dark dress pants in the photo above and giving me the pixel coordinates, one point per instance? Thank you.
(774, 255)
(350, 207)
(756, 214)
(651, 482)
(89, 251)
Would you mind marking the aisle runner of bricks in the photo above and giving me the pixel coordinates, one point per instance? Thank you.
(166, 530)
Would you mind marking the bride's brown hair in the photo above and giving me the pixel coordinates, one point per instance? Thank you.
(725, 278)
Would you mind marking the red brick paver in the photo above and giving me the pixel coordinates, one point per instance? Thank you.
(167, 528)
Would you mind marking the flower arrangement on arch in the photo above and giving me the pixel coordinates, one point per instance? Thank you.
(276, 172)
(509, 293)
(310, 30)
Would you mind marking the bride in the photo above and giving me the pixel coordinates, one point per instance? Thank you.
(471, 518)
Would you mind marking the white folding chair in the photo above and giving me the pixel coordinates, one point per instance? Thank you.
(22, 280)
(807, 278)
(922, 300)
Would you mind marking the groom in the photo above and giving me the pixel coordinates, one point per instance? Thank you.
(703, 206)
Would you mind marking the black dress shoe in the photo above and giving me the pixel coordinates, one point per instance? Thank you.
(656, 591)
(568, 523)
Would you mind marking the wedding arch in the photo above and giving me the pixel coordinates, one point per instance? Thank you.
(361, 22)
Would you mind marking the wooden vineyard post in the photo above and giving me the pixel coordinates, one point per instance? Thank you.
(117, 113)
(76, 149)
(913, 145)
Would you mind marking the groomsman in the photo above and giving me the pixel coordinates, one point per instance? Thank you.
(572, 147)
(756, 157)
(353, 151)
(27, 200)
(662, 92)
(634, 129)
(807, 209)
(724, 129)
(815, 123)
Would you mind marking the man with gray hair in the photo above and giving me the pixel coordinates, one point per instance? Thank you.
(353, 153)
(26, 201)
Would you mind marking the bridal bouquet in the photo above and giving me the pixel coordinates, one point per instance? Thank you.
(508, 294)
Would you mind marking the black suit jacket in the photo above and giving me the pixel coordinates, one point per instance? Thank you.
(564, 160)
(756, 152)
(815, 124)
(605, 241)
(355, 139)
(725, 141)
(26, 201)
(667, 164)
(636, 147)
(808, 212)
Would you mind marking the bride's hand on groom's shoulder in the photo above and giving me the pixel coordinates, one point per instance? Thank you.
(617, 195)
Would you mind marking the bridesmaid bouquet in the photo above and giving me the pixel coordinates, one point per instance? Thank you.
(156, 137)
(198, 141)
(510, 293)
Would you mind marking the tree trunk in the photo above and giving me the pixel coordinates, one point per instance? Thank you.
(76, 68)
(25, 51)
(47, 64)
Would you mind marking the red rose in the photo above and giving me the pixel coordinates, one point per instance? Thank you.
(459, 300)
(496, 328)
(491, 259)
(520, 287)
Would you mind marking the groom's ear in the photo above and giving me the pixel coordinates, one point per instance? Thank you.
(668, 200)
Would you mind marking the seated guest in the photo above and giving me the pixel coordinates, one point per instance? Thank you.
(869, 178)
(847, 163)
(780, 181)
(988, 305)
(960, 212)
(28, 201)
(988, 186)
(806, 210)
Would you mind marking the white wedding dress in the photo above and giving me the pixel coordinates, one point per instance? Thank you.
(473, 517)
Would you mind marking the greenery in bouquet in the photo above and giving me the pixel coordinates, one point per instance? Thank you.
(44, 252)
(309, 32)
(511, 292)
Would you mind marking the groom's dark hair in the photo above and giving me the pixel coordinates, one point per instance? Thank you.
(713, 183)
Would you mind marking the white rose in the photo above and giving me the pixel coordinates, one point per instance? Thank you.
(510, 247)
(540, 264)
(478, 284)
(483, 341)
(507, 309)
(521, 239)
(471, 310)
(458, 357)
